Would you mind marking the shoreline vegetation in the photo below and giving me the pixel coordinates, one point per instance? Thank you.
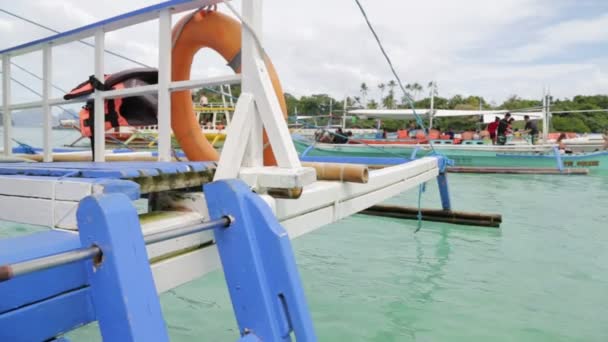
(319, 105)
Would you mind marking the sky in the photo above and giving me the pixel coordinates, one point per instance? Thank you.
(483, 48)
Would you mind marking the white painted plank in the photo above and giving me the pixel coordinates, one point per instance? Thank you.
(323, 193)
(42, 187)
(234, 146)
(164, 79)
(270, 112)
(174, 272)
(99, 119)
(7, 125)
(38, 211)
(47, 84)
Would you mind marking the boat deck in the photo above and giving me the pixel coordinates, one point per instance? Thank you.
(51, 191)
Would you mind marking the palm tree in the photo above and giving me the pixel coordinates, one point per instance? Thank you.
(363, 91)
(357, 99)
(389, 100)
(392, 84)
(416, 88)
(381, 86)
(372, 104)
(432, 87)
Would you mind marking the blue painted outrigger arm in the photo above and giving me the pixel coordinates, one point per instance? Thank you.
(259, 266)
(442, 181)
(118, 290)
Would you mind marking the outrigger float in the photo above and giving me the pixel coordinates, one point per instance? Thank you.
(101, 260)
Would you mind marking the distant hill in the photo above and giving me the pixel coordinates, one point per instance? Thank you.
(33, 117)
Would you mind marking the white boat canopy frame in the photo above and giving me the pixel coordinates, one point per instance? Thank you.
(408, 114)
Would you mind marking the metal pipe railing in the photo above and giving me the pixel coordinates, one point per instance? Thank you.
(140, 90)
(11, 271)
(162, 11)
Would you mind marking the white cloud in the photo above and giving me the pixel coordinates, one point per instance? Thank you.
(563, 35)
(325, 46)
(6, 26)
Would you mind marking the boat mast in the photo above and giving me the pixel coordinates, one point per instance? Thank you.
(549, 115)
(330, 115)
(432, 111)
(545, 115)
(344, 113)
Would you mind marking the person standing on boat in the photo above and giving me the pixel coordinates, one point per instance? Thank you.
(340, 137)
(492, 129)
(204, 101)
(561, 145)
(450, 133)
(531, 128)
(412, 130)
(501, 130)
(605, 136)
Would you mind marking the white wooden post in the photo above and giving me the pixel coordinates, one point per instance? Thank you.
(231, 101)
(47, 82)
(100, 117)
(164, 80)
(230, 163)
(257, 108)
(6, 101)
(252, 13)
(267, 105)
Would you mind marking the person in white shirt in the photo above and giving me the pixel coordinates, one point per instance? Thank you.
(204, 102)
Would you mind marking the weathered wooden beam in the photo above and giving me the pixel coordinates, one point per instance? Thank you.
(436, 215)
(517, 170)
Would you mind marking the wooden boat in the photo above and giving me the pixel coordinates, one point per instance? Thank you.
(466, 154)
(100, 260)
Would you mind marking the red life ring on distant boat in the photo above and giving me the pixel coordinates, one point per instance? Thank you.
(221, 33)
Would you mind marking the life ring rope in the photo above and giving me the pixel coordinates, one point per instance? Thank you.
(206, 27)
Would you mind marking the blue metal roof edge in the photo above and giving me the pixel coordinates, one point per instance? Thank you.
(157, 7)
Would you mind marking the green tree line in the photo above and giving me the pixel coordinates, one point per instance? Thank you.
(319, 104)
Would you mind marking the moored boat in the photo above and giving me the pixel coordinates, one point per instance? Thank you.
(466, 154)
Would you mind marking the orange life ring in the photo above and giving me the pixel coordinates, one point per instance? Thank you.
(220, 33)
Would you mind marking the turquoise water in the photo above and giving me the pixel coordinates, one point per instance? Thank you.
(542, 277)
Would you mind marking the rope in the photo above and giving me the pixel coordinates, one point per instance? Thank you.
(36, 76)
(212, 7)
(406, 95)
(26, 147)
(421, 189)
(37, 93)
(80, 41)
(247, 26)
(53, 198)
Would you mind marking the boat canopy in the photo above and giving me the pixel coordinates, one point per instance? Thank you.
(408, 114)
